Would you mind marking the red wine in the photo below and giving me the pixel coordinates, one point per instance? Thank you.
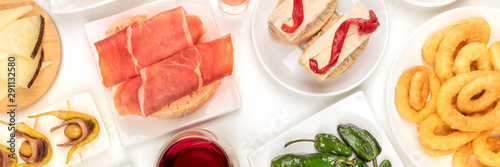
(195, 152)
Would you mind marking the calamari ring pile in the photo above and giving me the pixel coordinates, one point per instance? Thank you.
(457, 105)
(412, 91)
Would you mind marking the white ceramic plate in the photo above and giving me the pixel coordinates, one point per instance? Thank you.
(409, 56)
(353, 109)
(430, 3)
(281, 61)
(134, 129)
(81, 103)
(70, 6)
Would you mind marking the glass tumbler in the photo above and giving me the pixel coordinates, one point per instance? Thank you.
(233, 7)
(196, 147)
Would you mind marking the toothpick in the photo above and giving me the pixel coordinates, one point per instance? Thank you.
(69, 107)
(36, 122)
(80, 152)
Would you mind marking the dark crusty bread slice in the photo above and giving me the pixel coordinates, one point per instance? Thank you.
(311, 30)
(349, 60)
(183, 106)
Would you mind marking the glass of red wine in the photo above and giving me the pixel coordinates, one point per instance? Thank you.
(196, 147)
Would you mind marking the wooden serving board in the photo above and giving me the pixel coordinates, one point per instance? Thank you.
(51, 45)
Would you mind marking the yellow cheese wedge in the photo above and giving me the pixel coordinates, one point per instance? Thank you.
(23, 37)
(26, 69)
(8, 16)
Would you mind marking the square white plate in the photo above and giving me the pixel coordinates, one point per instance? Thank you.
(70, 6)
(134, 129)
(353, 109)
(81, 103)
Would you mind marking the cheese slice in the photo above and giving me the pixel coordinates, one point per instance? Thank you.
(23, 37)
(26, 69)
(320, 50)
(8, 16)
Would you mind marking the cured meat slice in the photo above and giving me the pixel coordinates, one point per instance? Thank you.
(86, 126)
(39, 148)
(4, 158)
(123, 54)
(164, 82)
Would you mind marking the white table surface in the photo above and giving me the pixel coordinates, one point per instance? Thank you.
(268, 108)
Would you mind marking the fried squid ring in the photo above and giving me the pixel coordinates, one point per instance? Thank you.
(472, 54)
(465, 32)
(437, 152)
(432, 44)
(495, 54)
(467, 100)
(483, 152)
(419, 90)
(455, 139)
(454, 86)
(462, 156)
(494, 143)
(405, 88)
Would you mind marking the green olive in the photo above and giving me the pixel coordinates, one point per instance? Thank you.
(73, 131)
(25, 149)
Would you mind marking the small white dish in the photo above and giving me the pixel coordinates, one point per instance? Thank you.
(353, 109)
(430, 3)
(281, 61)
(135, 129)
(70, 6)
(410, 55)
(81, 103)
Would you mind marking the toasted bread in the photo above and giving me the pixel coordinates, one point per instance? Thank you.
(301, 35)
(184, 105)
(349, 61)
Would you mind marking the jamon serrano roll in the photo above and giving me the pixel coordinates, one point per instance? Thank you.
(177, 85)
(138, 43)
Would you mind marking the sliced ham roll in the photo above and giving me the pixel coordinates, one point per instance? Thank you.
(164, 82)
(123, 54)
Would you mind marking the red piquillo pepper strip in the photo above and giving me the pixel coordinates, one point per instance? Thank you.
(298, 17)
(365, 26)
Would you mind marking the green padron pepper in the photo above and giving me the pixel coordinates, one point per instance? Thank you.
(357, 162)
(327, 143)
(305, 160)
(363, 144)
(385, 163)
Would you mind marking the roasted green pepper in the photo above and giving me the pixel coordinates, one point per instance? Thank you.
(363, 144)
(327, 143)
(67, 115)
(357, 162)
(385, 163)
(306, 160)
